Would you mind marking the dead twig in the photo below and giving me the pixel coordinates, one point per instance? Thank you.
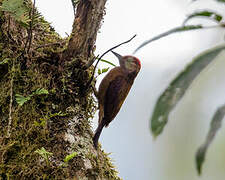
(10, 104)
(29, 32)
(31, 26)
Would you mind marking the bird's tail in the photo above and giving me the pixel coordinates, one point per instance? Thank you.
(97, 135)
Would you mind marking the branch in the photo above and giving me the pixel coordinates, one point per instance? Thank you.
(86, 24)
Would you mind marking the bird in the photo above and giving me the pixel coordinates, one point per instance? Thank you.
(114, 89)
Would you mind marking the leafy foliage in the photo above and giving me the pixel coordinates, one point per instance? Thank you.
(177, 88)
(17, 9)
(214, 127)
(104, 70)
(21, 99)
(208, 14)
(70, 156)
(222, 1)
(105, 61)
(40, 91)
(43, 121)
(4, 61)
(44, 154)
(174, 30)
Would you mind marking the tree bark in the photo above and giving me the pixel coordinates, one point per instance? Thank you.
(45, 103)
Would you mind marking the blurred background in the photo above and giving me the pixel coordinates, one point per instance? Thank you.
(134, 151)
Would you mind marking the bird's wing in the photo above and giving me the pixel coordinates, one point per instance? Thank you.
(114, 97)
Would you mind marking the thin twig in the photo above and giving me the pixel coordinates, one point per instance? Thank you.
(10, 104)
(30, 36)
(93, 73)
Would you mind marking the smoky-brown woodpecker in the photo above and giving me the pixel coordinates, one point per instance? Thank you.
(114, 89)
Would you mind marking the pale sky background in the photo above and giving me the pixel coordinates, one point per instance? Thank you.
(171, 156)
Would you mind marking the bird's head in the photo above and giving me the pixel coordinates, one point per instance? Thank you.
(129, 63)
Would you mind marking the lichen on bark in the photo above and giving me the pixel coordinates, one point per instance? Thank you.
(58, 121)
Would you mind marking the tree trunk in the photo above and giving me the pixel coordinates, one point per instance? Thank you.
(46, 103)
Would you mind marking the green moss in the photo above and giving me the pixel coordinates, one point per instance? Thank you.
(45, 119)
(103, 166)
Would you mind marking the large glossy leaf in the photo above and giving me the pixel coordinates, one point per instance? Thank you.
(177, 88)
(174, 30)
(214, 127)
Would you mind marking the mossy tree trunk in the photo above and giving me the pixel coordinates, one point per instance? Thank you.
(45, 103)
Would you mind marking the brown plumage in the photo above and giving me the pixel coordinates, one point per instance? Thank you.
(114, 89)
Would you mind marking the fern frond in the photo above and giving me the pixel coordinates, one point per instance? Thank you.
(18, 10)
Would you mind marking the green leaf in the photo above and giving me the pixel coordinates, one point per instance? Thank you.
(214, 127)
(40, 91)
(222, 1)
(70, 156)
(11, 5)
(42, 152)
(208, 14)
(4, 61)
(99, 71)
(58, 114)
(107, 62)
(177, 88)
(42, 122)
(21, 99)
(17, 9)
(174, 30)
(104, 70)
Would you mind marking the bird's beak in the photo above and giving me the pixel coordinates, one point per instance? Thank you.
(118, 56)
